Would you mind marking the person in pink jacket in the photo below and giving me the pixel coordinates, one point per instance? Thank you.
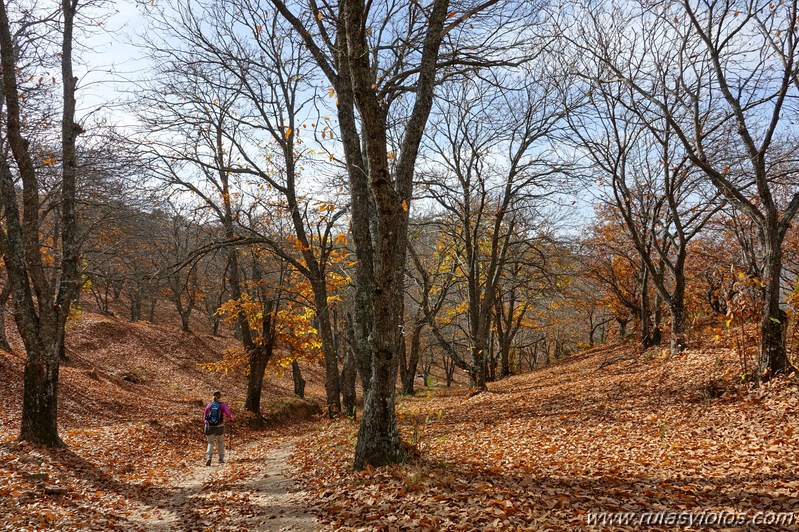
(214, 417)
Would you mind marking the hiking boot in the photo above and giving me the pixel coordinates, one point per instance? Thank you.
(221, 460)
(208, 462)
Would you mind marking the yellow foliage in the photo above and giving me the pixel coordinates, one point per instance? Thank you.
(232, 360)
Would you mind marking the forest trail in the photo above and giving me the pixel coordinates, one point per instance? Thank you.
(251, 491)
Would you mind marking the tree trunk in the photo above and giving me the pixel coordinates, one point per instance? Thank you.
(449, 373)
(348, 372)
(299, 382)
(622, 327)
(677, 310)
(403, 361)
(491, 369)
(4, 295)
(426, 368)
(40, 323)
(504, 362)
(477, 375)
(380, 197)
(379, 441)
(135, 306)
(774, 325)
(259, 357)
(325, 328)
(61, 328)
(647, 339)
(38, 331)
(40, 405)
(409, 378)
(184, 321)
(151, 313)
(253, 401)
(362, 324)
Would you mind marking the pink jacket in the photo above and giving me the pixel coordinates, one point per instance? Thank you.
(224, 409)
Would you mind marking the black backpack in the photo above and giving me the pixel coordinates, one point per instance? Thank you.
(214, 415)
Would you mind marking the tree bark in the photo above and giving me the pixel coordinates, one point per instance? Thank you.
(4, 295)
(774, 324)
(677, 339)
(41, 304)
(348, 373)
(409, 372)
(299, 382)
(325, 328)
(379, 206)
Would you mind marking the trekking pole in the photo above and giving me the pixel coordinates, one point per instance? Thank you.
(230, 443)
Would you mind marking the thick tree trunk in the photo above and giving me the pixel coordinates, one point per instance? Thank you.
(774, 325)
(677, 310)
(259, 358)
(39, 403)
(299, 382)
(504, 361)
(379, 441)
(477, 374)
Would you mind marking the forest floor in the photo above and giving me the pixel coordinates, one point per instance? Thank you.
(594, 442)
(608, 430)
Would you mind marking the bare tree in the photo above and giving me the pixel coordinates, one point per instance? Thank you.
(42, 296)
(496, 175)
(656, 192)
(374, 55)
(268, 80)
(722, 75)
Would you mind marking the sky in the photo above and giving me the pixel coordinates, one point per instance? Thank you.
(109, 63)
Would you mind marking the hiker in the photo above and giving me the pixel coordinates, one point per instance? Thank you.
(214, 415)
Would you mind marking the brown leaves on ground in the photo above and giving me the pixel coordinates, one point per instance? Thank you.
(603, 431)
(135, 455)
(540, 451)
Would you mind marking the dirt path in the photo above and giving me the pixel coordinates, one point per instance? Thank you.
(249, 492)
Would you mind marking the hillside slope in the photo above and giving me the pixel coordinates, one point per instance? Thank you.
(118, 370)
(130, 411)
(603, 431)
(607, 430)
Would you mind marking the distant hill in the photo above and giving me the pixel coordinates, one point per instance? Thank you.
(116, 367)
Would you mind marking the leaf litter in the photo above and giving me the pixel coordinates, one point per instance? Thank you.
(536, 452)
